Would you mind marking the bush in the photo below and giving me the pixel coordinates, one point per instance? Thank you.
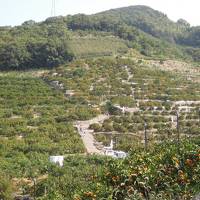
(96, 127)
(5, 188)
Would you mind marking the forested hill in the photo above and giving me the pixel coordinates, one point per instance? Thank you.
(148, 20)
(157, 24)
(61, 39)
(141, 18)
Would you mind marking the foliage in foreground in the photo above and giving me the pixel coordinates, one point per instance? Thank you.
(162, 173)
(5, 187)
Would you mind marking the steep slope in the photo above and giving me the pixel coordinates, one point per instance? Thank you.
(61, 39)
(33, 45)
(147, 30)
(155, 23)
(148, 20)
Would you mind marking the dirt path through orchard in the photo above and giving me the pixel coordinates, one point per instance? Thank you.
(87, 136)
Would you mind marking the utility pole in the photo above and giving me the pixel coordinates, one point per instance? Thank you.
(199, 115)
(178, 131)
(177, 126)
(145, 136)
(53, 8)
(34, 187)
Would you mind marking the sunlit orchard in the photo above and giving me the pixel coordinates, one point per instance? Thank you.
(38, 111)
(134, 93)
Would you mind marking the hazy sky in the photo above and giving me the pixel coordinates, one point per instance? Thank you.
(14, 12)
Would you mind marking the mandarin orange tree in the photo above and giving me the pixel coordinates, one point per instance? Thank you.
(161, 173)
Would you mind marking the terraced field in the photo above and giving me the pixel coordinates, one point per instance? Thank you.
(78, 108)
(90, 46)
(138, 92)
(32, 125)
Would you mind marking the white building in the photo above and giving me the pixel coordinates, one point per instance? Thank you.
(57, 84)
(57, 160)
(115, 154)
(108, 151)
(122, 109)
(69, 93)
(119, 154)
(55, 74)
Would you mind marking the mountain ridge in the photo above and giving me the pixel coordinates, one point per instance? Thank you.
(48, 43)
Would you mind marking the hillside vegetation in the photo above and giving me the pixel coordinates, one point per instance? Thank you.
(159, 174)
(148, 20)
(70, 85)
(60, 39)
(37, 120)
(85, 47)
(33, 46)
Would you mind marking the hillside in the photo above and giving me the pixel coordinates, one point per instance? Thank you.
(97, 46)
(61, 39)
(148, 20)
(41, 111)
(149, 31)
(71, 85)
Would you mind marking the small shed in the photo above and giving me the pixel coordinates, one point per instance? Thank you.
(120, 154)
(115, 154)
(69, 93)
(55, 83)
(55, 74)
(59, 160)
(108, 151)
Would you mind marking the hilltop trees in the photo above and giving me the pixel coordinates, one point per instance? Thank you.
(50, 43)
(34, 45)
(13, 55)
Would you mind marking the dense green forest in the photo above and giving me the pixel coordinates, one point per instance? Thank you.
(50, 43)
(33, 46)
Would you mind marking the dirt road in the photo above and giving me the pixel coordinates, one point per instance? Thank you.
(86, 133)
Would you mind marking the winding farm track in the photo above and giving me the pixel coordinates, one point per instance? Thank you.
(86, 133)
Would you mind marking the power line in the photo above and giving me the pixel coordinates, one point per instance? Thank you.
(53, 8)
